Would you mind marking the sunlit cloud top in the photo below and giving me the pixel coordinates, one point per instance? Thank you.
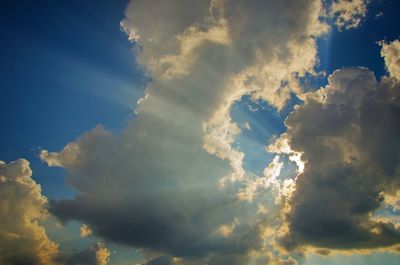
(232, 153)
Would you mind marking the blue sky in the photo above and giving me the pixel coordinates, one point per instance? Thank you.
(359, 47)
(67, 66)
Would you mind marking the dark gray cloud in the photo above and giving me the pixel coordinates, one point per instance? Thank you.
(349, 133)
(178, 212)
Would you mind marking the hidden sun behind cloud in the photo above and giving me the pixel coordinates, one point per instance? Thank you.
(174, 183)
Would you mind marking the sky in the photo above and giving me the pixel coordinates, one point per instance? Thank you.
(170, 132)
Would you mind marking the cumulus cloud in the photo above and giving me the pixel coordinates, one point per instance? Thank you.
(173, 182)
(170, 181)
(348, 13)
(22, 206)
(391, 54)
(23, 240)
(348, 134)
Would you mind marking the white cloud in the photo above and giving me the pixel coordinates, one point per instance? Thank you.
(392, 200)
(102, 254)
(85, 231)
(23, 239)
(348, 13)
(22, 206)
(391, 53)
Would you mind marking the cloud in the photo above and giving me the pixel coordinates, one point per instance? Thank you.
(23, 240)
(22, 206)
(173, 177)
(85, 231)
(96, 254)
(348, 134)
(348, 13)
(391, 54)
(173, 182)
(102, 254)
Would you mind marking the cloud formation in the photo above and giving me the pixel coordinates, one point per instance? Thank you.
(173, 182)
(348, 13)
(23, 240)
(169, 183)
(348, 134)
(391, 53)
(85, 231)
(22, 206)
